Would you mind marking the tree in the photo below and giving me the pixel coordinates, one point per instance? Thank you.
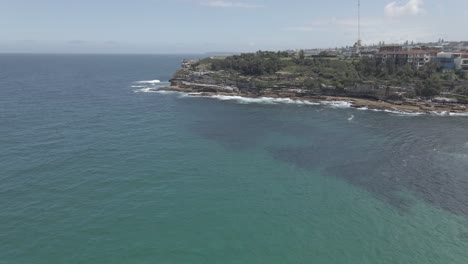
(428, 88)
(428, 70)
(461, 74)
(390, 65)
(310, 84)
(301, 55)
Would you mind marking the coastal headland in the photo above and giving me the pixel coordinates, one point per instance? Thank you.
(363, 82)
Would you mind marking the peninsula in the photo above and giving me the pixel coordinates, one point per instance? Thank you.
(364, 81)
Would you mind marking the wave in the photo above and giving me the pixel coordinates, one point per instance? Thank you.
(261, 100)
(148, 86)
(447, 113)
(391, 111)
(337, 104)
(146, 90)
(403, 113)
(275, 101)
(443, 113)
(149, 82)
(458, 114)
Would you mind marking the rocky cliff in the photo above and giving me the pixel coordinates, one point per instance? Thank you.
(199, 77)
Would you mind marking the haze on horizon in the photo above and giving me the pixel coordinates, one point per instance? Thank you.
(198, 26)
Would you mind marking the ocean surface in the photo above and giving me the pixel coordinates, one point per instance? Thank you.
(96, 168)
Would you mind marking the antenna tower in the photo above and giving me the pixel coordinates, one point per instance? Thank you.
(359, 27)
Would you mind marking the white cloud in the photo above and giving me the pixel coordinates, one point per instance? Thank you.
(221, 3)
(412, 7)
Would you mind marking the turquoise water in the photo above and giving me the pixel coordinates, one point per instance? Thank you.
(96, 170)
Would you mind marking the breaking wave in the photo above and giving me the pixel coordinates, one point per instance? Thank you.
(261, 100)
(276, 101)
(392, 111)
(458, 114)
(446, 113)
(403, 113)
(148, 86)
(337, 104)
(149, 82)
(146, 90)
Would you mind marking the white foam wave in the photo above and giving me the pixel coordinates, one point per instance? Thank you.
(149, 82)
(447, 113)
(443, 113)
(403, 113)
(337, 104)
(391, 111)
(261, 100)
(458, 114)
(146, 90)
(148, 86)
(274, 101)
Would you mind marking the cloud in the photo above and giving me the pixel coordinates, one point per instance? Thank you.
(413, 7)
(221, 3)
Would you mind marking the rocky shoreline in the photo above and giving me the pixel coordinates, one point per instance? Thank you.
(406, 106)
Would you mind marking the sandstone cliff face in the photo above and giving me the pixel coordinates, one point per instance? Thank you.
(202, 80)
(314, 85)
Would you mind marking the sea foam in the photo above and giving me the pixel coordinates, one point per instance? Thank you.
(391, 111)
(149, 82)
(403, 113)
(458, 114)
(148, 86)
(146, 90)
(337, 104)
(276, 101)
(261, 100)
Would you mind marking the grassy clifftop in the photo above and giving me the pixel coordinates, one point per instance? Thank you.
(278, 70)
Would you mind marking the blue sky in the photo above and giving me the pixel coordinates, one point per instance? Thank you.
(188, 26)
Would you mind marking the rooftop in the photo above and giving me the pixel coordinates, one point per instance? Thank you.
(408, 52)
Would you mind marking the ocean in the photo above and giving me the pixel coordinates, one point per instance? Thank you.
(95, 167)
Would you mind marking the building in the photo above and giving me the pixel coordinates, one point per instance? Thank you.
(445, 60)
(312, 52)
(416, 58)
(461, 61)
(186, 64)
(391, 48)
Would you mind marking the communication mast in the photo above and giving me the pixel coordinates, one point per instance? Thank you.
(359, 42)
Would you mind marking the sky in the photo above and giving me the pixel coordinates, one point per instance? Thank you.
(198, 26)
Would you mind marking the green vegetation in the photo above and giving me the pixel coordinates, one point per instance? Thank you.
(269, 68)
(428, 88)
(463, 90)
(257, 64)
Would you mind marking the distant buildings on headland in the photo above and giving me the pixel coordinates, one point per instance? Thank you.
(449, 56)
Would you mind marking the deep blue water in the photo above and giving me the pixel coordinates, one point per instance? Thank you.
(95, 170)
